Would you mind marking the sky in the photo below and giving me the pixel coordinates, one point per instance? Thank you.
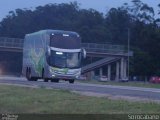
(100, 5)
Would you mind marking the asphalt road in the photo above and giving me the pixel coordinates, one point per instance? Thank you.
(135, 92)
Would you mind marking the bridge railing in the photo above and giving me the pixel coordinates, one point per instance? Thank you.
(11, 42)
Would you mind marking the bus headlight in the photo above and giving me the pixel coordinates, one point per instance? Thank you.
(78, 73)
(77, 76)
(53, 76)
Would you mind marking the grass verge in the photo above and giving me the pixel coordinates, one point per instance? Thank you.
(130, 83)
(40, 100)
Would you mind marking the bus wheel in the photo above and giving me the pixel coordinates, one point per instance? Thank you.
(28, 75)
(45, 80)
(42, 73)
(34, 79)
(55, 80)
(71, 81)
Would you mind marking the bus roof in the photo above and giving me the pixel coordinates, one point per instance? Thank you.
(49, 31)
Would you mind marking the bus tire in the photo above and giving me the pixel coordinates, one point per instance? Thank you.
(45, 80)
(43, 77)
(43, 73)
(35, 79)
(28, 74)
(55, 80)
(71, 81)
(29, 77)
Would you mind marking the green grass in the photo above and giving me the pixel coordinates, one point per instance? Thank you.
(133, 84)
(40, 100)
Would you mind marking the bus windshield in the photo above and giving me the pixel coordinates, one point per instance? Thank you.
(69, 42)
(65, 59)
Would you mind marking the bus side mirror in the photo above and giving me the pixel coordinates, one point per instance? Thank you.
(48, 51)
(84, 54)
(48, 54)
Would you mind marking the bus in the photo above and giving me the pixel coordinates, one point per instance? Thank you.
(52, 55)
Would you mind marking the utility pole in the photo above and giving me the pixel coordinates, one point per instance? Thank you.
(128, 49)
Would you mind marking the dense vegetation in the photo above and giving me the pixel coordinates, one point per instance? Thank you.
(113, 26)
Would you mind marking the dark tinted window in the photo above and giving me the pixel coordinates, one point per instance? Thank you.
(65, 42)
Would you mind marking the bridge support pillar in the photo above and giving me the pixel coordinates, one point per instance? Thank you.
(92, 74)
(123, 73)
(122, 69)
(117, 71)
(88, 75)
(101, 72)
(125, 69)
(109, 72)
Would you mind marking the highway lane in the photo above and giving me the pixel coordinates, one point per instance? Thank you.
(136, 92)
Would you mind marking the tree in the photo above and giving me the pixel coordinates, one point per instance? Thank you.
(117, 21)
(140, 11)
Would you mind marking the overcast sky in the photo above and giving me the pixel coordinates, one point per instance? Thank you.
(100, 5)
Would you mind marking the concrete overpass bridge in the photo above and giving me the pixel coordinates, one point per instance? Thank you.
(108, 53)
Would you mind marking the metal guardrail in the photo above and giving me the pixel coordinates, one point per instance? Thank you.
(104, 48)
(11, 42)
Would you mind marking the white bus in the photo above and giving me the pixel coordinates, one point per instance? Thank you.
(52, 55)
